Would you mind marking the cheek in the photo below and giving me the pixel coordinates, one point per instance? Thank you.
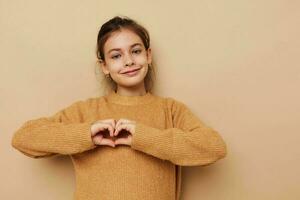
(115, 67)
(141, 60)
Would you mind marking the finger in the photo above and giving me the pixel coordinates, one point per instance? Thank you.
(111, 130)
(123, 127)
(121, 141)
(112, 123)
(97, 139)
(126, 141)
(117, 130)
(121, 122)
(127, 121)
(101, 127)
(120, 125)
(126, 127)
(108, 142)
(95, 128)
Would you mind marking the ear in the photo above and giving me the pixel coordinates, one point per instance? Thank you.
(103, 66)
(149, 56)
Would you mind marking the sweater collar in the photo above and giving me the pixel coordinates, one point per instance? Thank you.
(116, 98)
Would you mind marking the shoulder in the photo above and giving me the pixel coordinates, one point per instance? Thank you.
(83, 104)
(175, 105)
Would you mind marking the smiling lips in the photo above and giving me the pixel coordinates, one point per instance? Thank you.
(132, 70)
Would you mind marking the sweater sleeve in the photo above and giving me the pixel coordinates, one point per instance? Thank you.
(188, 143)
(64, 133)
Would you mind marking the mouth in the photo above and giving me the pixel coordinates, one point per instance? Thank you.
(131, 71)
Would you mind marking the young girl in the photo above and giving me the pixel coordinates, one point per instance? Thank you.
(128, 144)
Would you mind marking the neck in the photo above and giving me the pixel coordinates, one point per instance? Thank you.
(116, 98)
(133, 91)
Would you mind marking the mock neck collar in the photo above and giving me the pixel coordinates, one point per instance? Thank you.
(113, 97)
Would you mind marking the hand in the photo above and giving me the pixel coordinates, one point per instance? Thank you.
(129, 127)
(99, 132)
(120, 133)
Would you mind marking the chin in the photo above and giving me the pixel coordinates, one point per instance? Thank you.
(131, 82)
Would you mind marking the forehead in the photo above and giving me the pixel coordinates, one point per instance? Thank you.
(122, 39)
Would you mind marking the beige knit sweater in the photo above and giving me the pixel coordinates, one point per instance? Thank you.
(167, 136)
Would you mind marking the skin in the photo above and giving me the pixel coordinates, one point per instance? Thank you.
(116, 63)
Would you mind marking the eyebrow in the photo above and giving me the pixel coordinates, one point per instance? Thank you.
(118, 49)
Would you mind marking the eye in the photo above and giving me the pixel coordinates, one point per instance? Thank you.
(115, 56)
(137, 51)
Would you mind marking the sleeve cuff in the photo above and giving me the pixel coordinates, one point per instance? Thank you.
(84, 137)
(152, 141)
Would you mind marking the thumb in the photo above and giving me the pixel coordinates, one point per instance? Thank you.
(97, 138)
(122, 141)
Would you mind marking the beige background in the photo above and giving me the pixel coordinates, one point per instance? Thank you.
(235, 63)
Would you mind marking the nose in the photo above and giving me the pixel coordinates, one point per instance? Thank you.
(128, 60)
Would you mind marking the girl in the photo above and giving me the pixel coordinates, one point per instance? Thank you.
(128, 144)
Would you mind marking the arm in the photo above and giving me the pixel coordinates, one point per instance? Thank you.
(63, 133)
(190, 142)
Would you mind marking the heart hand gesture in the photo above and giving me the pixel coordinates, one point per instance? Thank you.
(108, 132)
(129, 127)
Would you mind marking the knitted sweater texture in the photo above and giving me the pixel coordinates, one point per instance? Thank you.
(167, 136)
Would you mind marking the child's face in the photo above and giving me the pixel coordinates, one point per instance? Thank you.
(127, 57)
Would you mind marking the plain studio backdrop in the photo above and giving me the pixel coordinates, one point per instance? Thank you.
(234, 63)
